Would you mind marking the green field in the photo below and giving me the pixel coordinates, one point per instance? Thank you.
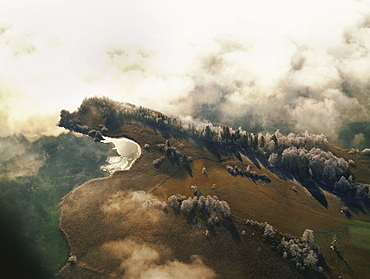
(359, 233)
(30, 197)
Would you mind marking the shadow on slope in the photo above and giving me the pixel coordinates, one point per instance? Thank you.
(316, 192)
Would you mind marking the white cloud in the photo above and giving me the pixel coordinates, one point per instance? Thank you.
(142, 261)
(242, 58)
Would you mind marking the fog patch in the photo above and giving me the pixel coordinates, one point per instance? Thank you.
(128, 150)
(21, 114)
(16, 158)
(134, 206)
(136, 259)
(145, 261)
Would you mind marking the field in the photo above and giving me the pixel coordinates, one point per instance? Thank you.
(359, 233)
(290, 211)
(285, 204)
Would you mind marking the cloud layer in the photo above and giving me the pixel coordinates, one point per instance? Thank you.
(289, 65)
(142, 261)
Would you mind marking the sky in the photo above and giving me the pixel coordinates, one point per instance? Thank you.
(263, 65)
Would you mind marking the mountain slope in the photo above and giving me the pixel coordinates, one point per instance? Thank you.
(101, 220)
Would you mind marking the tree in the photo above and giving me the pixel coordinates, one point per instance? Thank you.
(226, 135)
(269, 230)
(310, 260)
(98, 136)
(274, 160)
(174, 201)
(64, 118)
(184, 160)
(208, 134)
(262, 141)
(255, 142)
(187, 205)
(244, 141)
(275, 139)
(308, 236)
(342, 185)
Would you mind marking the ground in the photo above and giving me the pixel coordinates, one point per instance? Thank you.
(285, 204)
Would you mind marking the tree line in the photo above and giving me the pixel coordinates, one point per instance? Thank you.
(303, 155)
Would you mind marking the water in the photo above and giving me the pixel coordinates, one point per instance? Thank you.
(128, 150)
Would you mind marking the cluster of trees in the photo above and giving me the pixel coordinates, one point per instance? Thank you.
(352, 188)
(225, 135)
(268, 143)
(68, 122)
(277, 142)
(302, 251)
(245, 171)
(116, 114)
(321, 166)
(209, 207)
(173, 155)
(171, 152)
(300, 154)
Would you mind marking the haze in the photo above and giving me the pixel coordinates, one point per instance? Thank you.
(293, 65)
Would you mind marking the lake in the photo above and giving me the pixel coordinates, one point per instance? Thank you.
(128, 150)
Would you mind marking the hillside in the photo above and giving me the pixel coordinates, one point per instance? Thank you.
(104, 220)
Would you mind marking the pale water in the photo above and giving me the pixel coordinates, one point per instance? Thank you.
(128, 150)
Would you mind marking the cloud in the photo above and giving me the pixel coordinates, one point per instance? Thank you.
(262, 65)
(19, 114)
(138, 259)
(144, 261)
(17, 160)
(135, 206)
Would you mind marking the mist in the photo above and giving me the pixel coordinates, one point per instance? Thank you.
(140, 261)
(288, 65)
(135, 257)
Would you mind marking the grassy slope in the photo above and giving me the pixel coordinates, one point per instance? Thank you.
(287, 210)
(88, 228)
(361, 169)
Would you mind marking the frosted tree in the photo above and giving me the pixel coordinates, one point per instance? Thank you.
(174, 201)
(274, 160)
(310, 260)
(269, 230)
(187, 205)
(201, 204)
(342, 185)
(225, 209)
(308, 236)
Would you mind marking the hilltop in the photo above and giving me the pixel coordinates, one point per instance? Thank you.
(291, 182)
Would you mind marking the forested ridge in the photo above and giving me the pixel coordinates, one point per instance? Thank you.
(306, 157)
